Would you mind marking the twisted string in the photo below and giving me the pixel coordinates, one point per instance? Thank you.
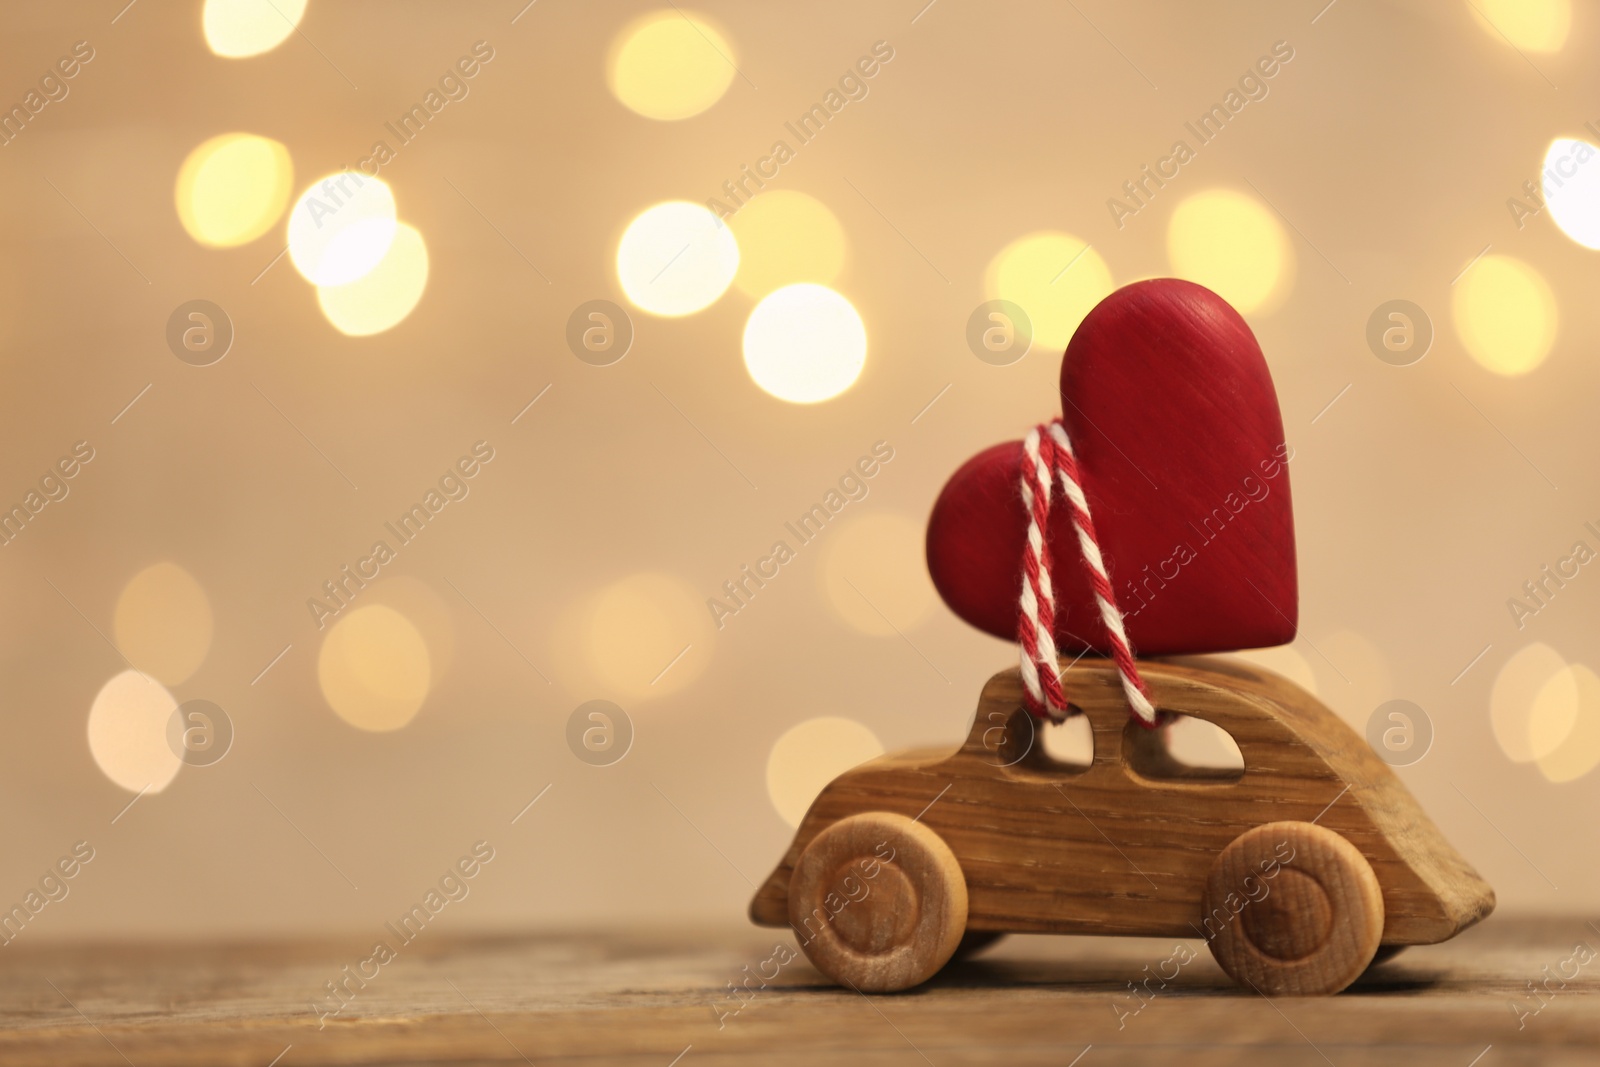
(1047, 449)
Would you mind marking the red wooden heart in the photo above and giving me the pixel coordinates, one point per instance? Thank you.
(1171, 412)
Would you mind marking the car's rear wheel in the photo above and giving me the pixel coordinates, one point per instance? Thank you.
(878, 902)
(1293, 909)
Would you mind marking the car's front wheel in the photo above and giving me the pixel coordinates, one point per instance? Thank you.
(1293, 909)
(878, 902)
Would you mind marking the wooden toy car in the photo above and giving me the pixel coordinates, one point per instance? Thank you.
(1297, 871)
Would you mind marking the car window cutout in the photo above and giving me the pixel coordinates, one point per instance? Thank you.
(1069, 745)
(1195, 751)
(1016, 740)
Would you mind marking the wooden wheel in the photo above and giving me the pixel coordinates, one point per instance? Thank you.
(878, 902)
(1293, 909)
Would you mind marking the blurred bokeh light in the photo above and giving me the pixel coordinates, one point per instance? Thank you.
(670, 65)
(805, 343)
(374, 668)
(233, 188)
(786, 237)
(341, 228)
(425, 609)
(128, 732)
(1534, 703)
(1505, 315)
(1579, 752)
(383, 297)
(163, 622)
(1571, 183)
(811, 754)
(241, 28)
(676, 258)
(1055, 277)
(1234, 245)
(647, 635)
(1528, 25)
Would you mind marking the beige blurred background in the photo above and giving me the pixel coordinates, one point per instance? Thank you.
(371, 754)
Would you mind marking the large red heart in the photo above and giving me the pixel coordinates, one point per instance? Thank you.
(1171, 412)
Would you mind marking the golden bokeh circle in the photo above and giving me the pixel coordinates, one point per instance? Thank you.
(676, 258)
(647, 635)
(374, 668)
(1234, 245)
(426, 609)
(382, 298)
(1574, 204)
(127, 727)
(233, 188)
(809, 755)
(1533, 704)
(805, 343)
(786, 237)
(1526, 25)
(1056, 278)
(163, 623)
(1579, 752)
(670, 65)
(341, 228)
(1505, 315)
(237, 29)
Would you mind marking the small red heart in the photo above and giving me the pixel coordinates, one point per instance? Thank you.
(1171, 412)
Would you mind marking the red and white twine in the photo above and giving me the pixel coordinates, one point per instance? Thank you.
(1041, 671)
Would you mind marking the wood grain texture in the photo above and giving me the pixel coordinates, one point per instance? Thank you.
(1173, 417)
(1293, 909)
(1047, 848)
(640, 997)
(878, 902)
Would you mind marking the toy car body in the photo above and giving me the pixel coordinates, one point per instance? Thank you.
(1295, 871)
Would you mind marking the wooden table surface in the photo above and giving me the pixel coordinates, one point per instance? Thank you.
(661, 998)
